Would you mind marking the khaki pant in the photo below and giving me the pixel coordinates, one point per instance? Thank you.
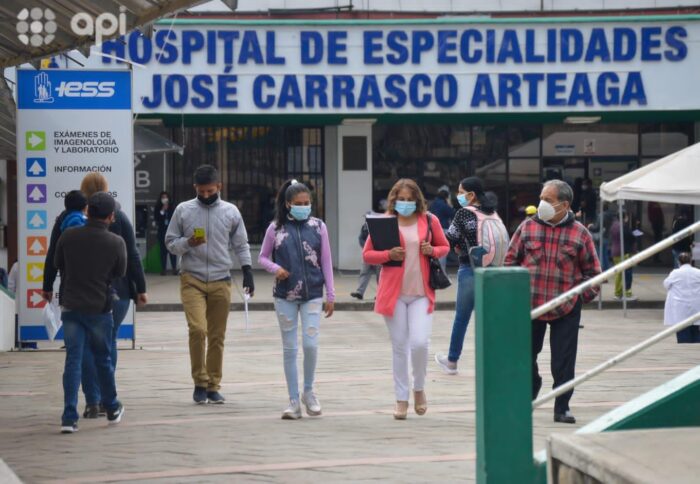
(206, 305)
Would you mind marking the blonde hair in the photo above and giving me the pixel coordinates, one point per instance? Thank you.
(421, 206)
(93, 183)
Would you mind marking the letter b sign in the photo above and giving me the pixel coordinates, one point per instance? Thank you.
(143, 179)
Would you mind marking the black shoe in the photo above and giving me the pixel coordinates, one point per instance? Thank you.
(115, 416)
(102, 411)
(162, 273)
(200, 395)
(356, 295)
(215, 398)
(69, 427)
(175, 272)
(566, 417)
(92, 411)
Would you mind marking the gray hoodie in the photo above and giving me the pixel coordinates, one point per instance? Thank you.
(225, 233)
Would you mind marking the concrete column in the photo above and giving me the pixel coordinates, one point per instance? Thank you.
(354, 190)
(330, 137)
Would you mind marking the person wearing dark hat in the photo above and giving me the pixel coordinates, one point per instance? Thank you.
(90, 258)
(463, 235)
(444, 212)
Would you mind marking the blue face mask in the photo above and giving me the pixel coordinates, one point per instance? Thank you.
(405, 208)
(300, 212)
(462, 199)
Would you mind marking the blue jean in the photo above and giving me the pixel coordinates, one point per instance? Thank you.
(605, 256)
(691, 334)
(676, 254)
(91, 387)
(287, 316)
(94, 331)
(463, 311)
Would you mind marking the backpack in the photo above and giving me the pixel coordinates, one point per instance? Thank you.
(492, 237)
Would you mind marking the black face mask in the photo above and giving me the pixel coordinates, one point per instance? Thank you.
(208, 200)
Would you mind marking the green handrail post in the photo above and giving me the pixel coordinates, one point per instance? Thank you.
(503, 376)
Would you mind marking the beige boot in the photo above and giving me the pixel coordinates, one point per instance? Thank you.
(420, 402)
(401, 410)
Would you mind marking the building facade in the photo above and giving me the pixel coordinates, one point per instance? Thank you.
(351, 104)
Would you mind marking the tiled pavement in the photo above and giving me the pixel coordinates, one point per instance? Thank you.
(166, 438)
(164, 291)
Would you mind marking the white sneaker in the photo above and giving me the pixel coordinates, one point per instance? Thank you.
(293, 411)
(448, 367)
(313, 406)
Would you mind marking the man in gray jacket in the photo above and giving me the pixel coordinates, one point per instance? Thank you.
(206, 232)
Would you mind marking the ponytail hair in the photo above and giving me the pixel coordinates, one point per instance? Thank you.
(286, 193)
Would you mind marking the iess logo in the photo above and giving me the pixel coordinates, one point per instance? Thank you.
(43, 90)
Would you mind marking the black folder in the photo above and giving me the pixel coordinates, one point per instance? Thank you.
(384, 231)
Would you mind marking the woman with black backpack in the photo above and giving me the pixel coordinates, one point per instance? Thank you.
(479, 237)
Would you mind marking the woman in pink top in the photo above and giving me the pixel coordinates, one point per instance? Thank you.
(404, 295)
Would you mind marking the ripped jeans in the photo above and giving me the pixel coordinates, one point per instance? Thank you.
(287, 315)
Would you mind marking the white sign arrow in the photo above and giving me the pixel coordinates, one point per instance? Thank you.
(36, 221)
(36, 169)
(36, 194)
(36, 247)
(36, 299)
(34, 140)
(35, 272)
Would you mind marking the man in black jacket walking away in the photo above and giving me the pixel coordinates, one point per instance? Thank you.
(89, 259)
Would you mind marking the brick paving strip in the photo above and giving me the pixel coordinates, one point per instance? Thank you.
(241, 469)
(166, 438)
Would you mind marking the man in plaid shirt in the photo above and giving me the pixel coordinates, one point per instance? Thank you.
(559, 253)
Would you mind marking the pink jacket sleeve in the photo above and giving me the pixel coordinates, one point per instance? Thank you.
(265, 257)
(374, 257)
(439, 242)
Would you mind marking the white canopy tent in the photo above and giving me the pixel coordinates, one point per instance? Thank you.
(672, 179)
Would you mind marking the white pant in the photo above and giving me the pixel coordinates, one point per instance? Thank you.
(410, 329)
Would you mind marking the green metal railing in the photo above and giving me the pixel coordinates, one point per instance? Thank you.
(503, 365)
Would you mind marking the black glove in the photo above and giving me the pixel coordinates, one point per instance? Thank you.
(248, 280)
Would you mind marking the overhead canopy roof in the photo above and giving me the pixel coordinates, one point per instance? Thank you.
(147, 141)
(672, 179)
(56, 35)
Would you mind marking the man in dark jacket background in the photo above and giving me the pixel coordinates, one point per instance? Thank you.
(444, 212)
(130, 287)
(89, 259)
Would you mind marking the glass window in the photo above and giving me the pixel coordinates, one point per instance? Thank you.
(489, 142)
(661, 139)
(524, 189)
(590, 140)
(524, 140)
(253, 162)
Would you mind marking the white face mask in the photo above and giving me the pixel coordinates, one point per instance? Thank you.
(163, 201)
(546, 211)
